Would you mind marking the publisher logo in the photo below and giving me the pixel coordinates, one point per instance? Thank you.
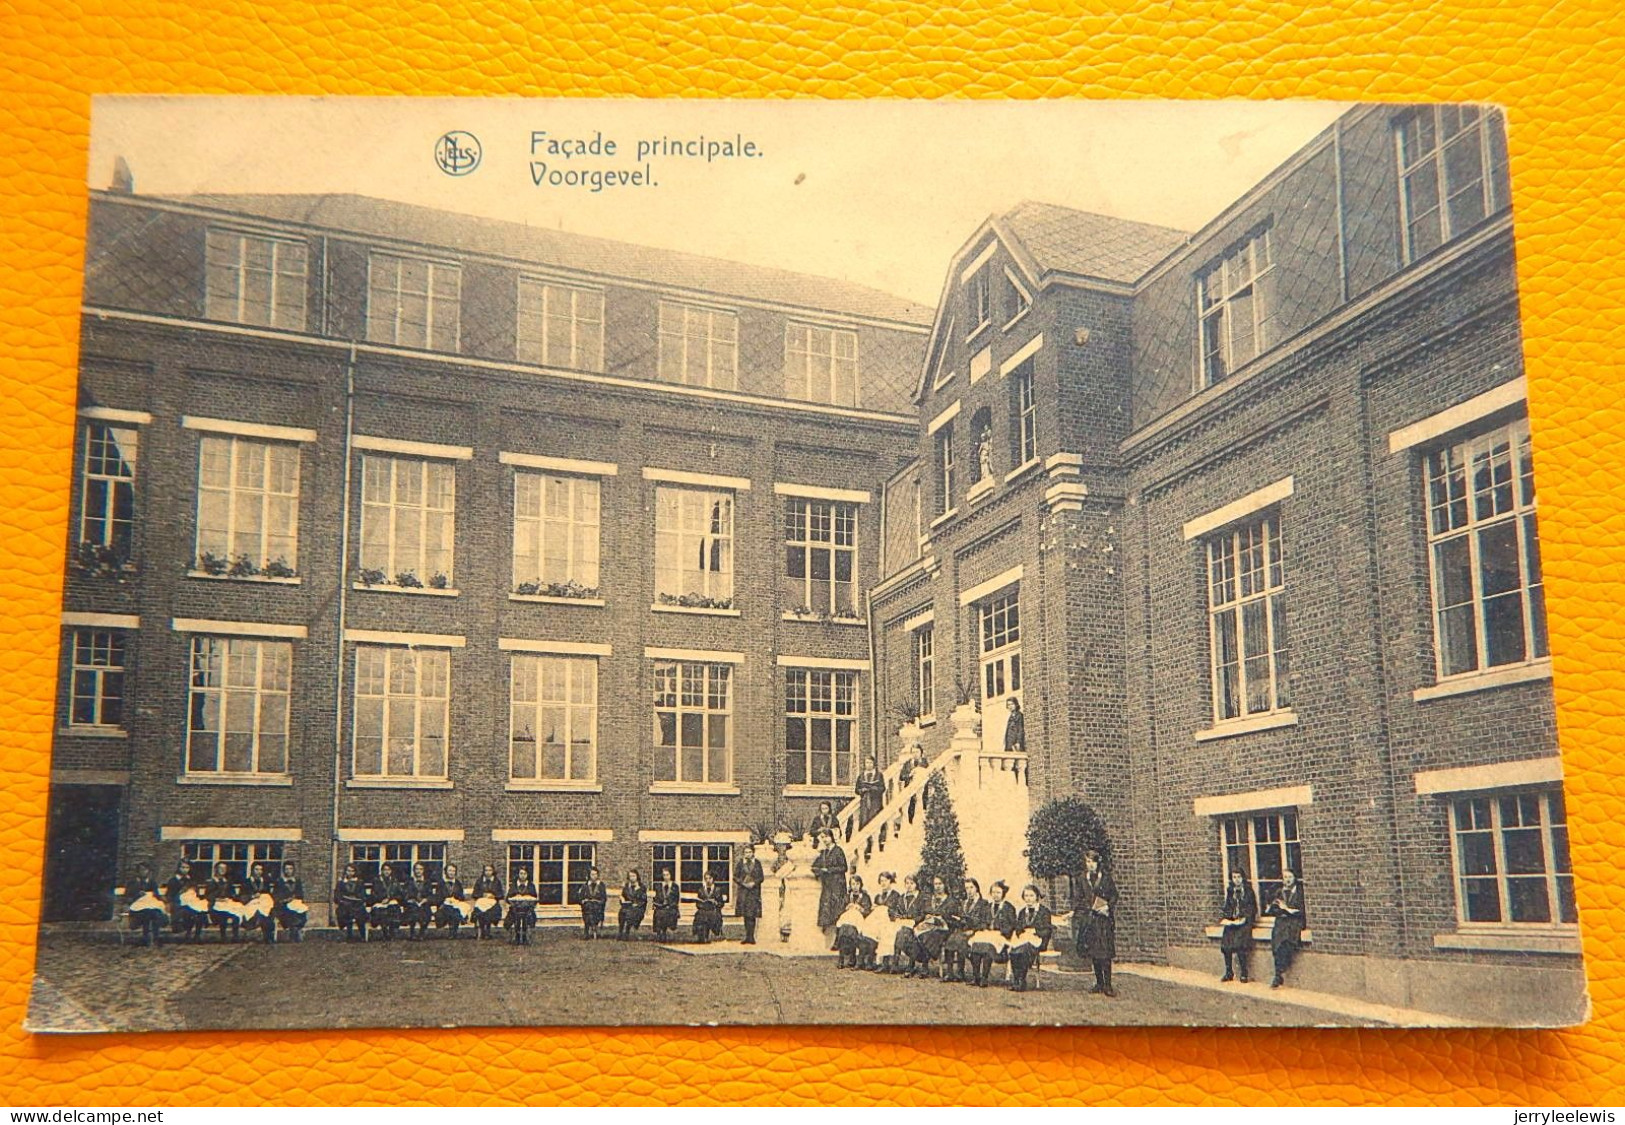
(458, 153)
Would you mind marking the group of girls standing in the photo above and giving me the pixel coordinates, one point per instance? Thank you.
(270, 900)
(908, 931)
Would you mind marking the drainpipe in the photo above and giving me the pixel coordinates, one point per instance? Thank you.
(874, 675)
(343, 598)
(1342, 232)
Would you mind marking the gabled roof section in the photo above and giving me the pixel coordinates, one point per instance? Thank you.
(388, 219)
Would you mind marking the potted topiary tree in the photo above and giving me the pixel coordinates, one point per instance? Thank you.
(1058, 833)
(940, 852)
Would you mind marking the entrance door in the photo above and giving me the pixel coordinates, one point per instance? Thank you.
(81, 853)
(999, 641)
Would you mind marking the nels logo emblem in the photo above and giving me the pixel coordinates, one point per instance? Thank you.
(457, 153)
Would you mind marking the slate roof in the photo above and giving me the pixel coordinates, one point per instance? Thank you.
(1065, 240)
(384, 218)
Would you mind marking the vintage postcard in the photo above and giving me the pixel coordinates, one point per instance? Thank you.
(619, 562)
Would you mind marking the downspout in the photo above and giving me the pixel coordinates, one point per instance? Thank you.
(874, 674)
(344, 589)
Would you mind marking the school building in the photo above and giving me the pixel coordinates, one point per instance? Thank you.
(406, 535)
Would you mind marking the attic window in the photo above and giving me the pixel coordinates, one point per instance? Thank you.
(978, 300)
(1017, 298)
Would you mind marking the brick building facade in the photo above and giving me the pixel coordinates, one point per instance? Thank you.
(591, 552)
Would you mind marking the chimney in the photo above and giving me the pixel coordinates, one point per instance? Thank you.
(123, 178)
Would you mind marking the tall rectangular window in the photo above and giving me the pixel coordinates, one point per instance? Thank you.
(945, 469)
(553, 718)
(1023, 416)
(255, 279)
(96, 685)
(1247, 620)
(402, 700)
(238, 856)
(821, 364)
(399, 858)
(820, 556)
(698, 346)
(1234, 306)
(561, 325)
(555, 534)
(248, 506)
(408, 515)
(820, 726)
(694, 545)
(999, 639)
(238, 718)
(693, 706)
(556, 870)
(1261, 846)
(925, 667)
(1512, 859)
(1452, 165)
(688, 864)
(979, 300)
(107, 505)
(413, 302)
(1489, 601)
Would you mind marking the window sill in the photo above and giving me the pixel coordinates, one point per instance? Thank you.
(271, 780)
(944, 381)
(944, 518)
(1233, 727)
(92, 732)
(825, 791)
(814, 619)
(1260, 933)
(1018, 318)
(391, 588)
(980, 489)
(1513, 939)
(925, 721)
(398, 783)
(1022, 470)
(529, 786)
(264, 578)
(553, 599)
(970, 337)
(1484, 681)
(677, 789)
(702, 610)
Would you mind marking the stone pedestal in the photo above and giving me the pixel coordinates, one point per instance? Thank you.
(790, 905)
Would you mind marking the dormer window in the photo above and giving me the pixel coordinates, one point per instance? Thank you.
(413, 302)
(1452, 163)
(1234, 308)
(979, 300)
(254, 279)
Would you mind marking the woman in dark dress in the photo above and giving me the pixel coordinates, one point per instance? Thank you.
(185, 919)
(991, 944)
(1094, 922)
(522, 899)
(830, 871)
(384, 903)
(882, 924)
(148, 915)
(290, 912)
(668, 901)
(974, 914)
(1290, 920)
(824, 821)
(1015, 727)
(913, 764)
(259, 897)
(452, 907)
(1030, 937)
(937, 912)
(350, 904)
(634, 904)
(415, 908)
(905, 913)
(708, 909)
(849, 925)
(487, 902)
(1237, 914)
(594, 897)
(748, 891)
(871, 790)
(225, 903)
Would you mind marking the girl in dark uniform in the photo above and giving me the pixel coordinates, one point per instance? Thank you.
(384, 909)
(1030, 938)
(225, 904)
(1094, 921)
(829, 868)
(668, 899)
(849, 924)
(451, 904)
(1015, 728)
(748, 878)
(634, 904)
(870, 788)
(992, 943)
(880, 925)
(708, 909)
(905, 912)
(487, 901)
(522, 900)
(415, 903)
(147, 913)
(1237, 915)
(973, 914)
(350, 904)
(184, 919)
(824, 821)
(594, 896)
(291, 913)
(1290, 920)
(260, 897)
(934, 925)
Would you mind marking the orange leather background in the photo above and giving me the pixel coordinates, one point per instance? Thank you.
(1556, 66)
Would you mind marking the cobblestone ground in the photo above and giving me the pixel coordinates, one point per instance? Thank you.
(325, 982)
(86, 981)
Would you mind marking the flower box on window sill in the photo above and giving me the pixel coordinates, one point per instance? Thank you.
(391, 588)
(532, 785)
(712, 611)
(282, 780)
(1251, 724)
(980, 489)
(1526, 938)
(1261, 932)
(821, 791)
(1022, 470)
(693, 789)
(1484, 681)
(86, 731)
(272, 579)
(554, 599)
(399, 783)
(824, 618)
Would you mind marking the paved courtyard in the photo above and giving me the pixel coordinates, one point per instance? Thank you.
(87, 982)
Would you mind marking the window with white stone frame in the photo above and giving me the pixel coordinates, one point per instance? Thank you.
(1233, 303)
(400, 858)
(1511, 859)
(1247, 619)
(1261, 845)
(1489, 604)
(925, 686)
(821, 556)
(96, 679)
(1023, 416)
(408, 521)
(238, 856)
(107, 501)
(979, 300)
(998, 621)
(255, 279)
(555, 534)
(248, 507)
(1452, 168)
(402, 705)
(238, 706)
(688, 864)
(553, 718)
(944, 447)
(820, 726)
(694, 546)
(557, 870)
(693, 709)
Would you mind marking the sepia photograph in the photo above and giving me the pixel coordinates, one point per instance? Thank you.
(564, 562)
